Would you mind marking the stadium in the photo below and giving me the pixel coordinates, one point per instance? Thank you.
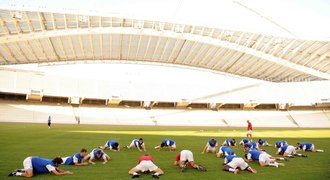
(75, 75)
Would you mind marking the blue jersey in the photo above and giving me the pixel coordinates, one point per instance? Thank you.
(226, 151)
(262, 142)
(283, 149)
(49, 120)
(281, 143)
(113, 144)
(95, 153)
(306, 146)
(168, 142)
(230, 142)
(137, 143)
(214, 143)
(39, 165)
(245, 141)
(228, 159)
(71, 160)
(254, 154)
(252, 145)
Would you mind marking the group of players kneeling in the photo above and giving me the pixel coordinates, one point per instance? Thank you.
(232, 163)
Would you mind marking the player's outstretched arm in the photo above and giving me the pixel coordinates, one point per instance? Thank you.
(106, 158)
(204, 150)
(91, 161)
(59, 172)
(175, 163)
(81, 164)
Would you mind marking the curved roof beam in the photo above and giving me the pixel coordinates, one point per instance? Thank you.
(168, 34)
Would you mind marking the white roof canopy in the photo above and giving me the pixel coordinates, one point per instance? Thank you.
(38, 35)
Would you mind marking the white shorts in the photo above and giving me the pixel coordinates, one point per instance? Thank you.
(174, 146)
(146, 165)
(27, 163)
(264, 158)
(249, 132)
(186, 155)
(133, 145)
(290, 150)
(209, 148)
(238, 162)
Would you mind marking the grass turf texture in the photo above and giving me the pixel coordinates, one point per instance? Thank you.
(21, 140)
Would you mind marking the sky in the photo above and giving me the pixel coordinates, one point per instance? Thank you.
(307, 19)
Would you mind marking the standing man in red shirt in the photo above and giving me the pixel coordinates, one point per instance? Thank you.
(249, 130)
(145, 164)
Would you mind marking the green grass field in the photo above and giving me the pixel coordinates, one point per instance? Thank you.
(21, 140)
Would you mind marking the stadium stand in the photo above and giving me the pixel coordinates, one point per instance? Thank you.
(37, 113)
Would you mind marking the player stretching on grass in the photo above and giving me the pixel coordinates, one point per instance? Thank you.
(229, 142)
(244, 141)
(211, 146)
(97, 154)
(263, 142)
(288, 151)
(186, 157)
(112, 145)
(139, 144)
(225, 151)
(281, 143)
(36, 165)
(76, 159)
(304, 146)
(167, 143)
(145, 165)
(233, 163)
(263, 158)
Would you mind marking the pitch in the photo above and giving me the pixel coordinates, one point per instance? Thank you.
(21, 140)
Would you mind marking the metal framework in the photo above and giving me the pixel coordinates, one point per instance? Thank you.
(45, 37)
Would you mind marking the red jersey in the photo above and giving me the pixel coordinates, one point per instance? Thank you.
(177, 157)
(249, 126)
(145, 158)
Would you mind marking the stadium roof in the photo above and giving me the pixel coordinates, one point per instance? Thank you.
(34, 34)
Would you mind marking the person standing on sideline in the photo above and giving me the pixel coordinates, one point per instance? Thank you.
(49, 121)
(249, 130)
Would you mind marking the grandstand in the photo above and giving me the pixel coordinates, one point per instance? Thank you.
(262, 76)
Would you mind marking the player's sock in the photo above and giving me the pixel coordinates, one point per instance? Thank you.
(301, 155)
(157, 147)
(290, 156)
(319, 150)
(231, 170)
(282, 159)
(18, 174)
(275, 164)
(281, 164)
